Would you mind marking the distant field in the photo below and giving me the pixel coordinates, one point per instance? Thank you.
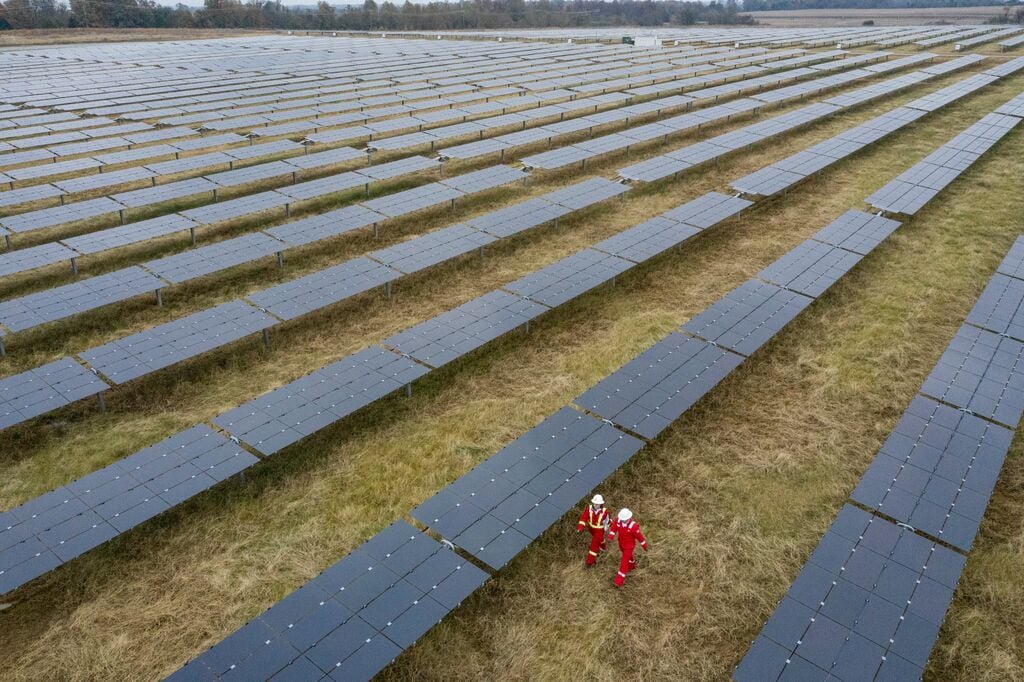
(109, 35)
(881, 17)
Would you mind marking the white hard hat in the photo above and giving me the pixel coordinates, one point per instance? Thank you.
(597, 499)
(625, 515)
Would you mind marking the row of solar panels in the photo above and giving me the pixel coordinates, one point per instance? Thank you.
(147, 197)
(872, 597)
(271, 91)
(793, 169)
(43, 389)
(568, 438)
(583, 79)
(673, 163)
(293, 412)
(580, 152)
(298, 409)
(497, 509)
(552, 284)
(679, 84)
(312, 292)
(902, 194)
(50, 253)
(365, 66)
(119, 204)
(185, 338)
(31, 310)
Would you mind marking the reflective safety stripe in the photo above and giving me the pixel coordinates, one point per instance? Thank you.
(621, 573)
(592, 553)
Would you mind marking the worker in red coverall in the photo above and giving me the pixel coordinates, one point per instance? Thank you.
(629, 535)
(594, 518)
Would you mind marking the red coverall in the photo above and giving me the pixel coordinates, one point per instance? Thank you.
(596, 520)
(629, 535)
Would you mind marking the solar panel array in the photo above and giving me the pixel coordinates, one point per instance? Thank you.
(869, 603)
(57, 527)
(910, 191)
(786, 173)
(352, 619)
(518, 496)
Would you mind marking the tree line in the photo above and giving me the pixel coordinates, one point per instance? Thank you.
(271, 14)
(762, 5)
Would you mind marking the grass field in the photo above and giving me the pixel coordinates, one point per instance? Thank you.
(733, 498)
(909, 16)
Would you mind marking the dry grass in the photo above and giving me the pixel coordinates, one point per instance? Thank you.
(733, 498)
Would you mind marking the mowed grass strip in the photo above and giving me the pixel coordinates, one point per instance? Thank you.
(733, 498)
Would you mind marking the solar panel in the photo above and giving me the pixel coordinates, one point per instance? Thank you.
(979, 372)
(767, 181)
(411, 200)
(901, 197)
(653, 169)
(648, 239)
(166, 192)
(325, 225)
(517, 218)
(951, 65)
(940, 98)
(1013, 108)
(236, 208)
(161, 134)
(132, 233)
(810, 268)
(313, 189)
(653, 390)
(507, 501)
(33, 257)
(51, 169)
(45, 388)
(432, 248)
(857, 231)
(1013, 262)
(569, 277)
(54, 528)
(557, 158)
(352, 619)
(748, 316)
(24, 195)
(28, 311)
(215, 257)
(139, 354)
(290, 413)
(60, 215)
(484, 179)
(528, 136)
(458, 331)
(586, 193)
(394, 169)
(1006, 68)
(263, 149)
(936, 471)
(708, 210)
(471, 150)
(103, 180)
(190, 163)
(868, 605)
(255, 173)
(328, 158)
